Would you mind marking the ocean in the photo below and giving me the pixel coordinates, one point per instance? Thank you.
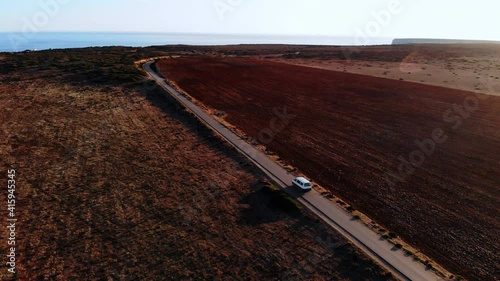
(16, 42)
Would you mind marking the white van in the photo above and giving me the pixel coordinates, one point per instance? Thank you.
(302, 183)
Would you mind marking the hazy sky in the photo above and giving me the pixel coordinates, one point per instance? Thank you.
(410, 18)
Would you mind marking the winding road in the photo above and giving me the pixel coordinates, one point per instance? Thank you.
(382, 251)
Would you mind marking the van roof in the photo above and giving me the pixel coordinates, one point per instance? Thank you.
(303, 180)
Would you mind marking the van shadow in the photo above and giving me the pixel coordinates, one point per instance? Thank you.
(267, 204)
(294, 191)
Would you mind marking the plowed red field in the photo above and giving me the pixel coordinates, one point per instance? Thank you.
(354, 133)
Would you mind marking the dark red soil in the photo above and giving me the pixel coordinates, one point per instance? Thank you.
(348, 134)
